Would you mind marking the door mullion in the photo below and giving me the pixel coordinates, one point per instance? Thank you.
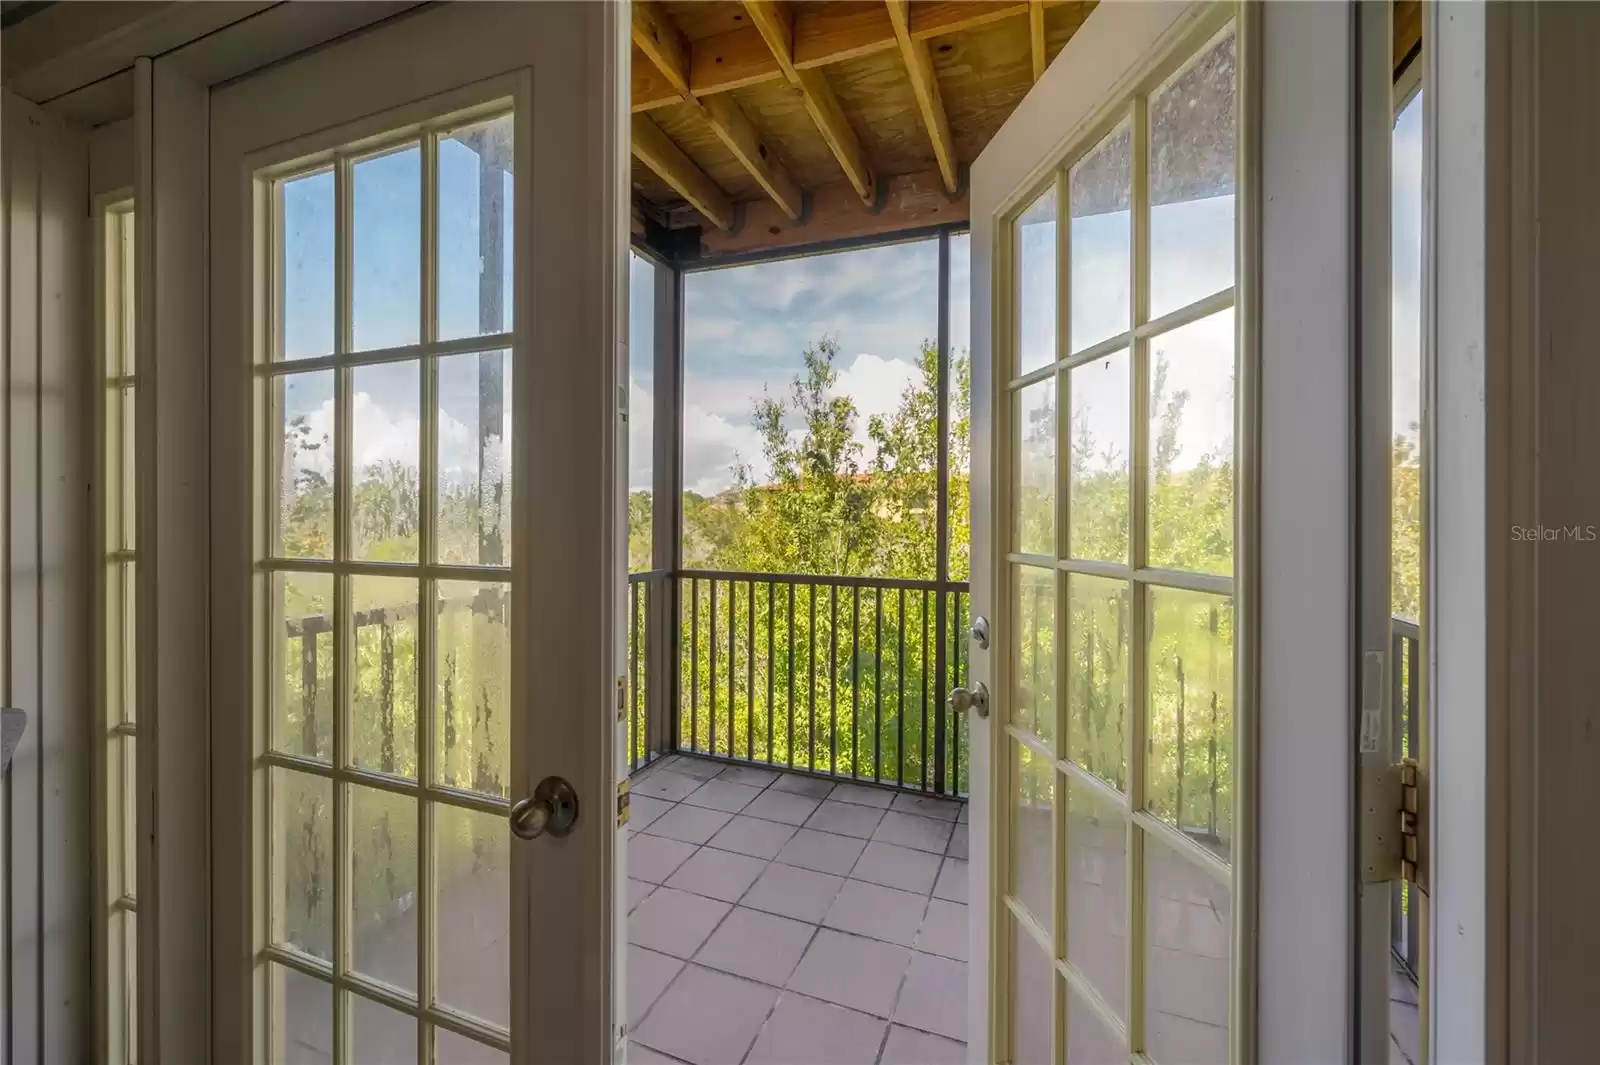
(1062, 644)
(427, 613)
(1138, 545)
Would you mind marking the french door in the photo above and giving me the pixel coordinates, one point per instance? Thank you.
(417, 264)
(1107, 529)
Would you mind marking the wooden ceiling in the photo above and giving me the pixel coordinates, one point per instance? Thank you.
(774, 122)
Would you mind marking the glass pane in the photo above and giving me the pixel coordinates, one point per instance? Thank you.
(130, 962)
(305, 471)
(1036, 468)
(120, 494)
(383, 704)
(130, 815)
(1191, 447)
(960, 371)
(452, 1049)
(473, 674)
(641, 408)
(473, 878)
(308, 286)
(1089, 1040)
(386, 254)
(126, 297)
(380, 1035)
(1036, 283)
(385, 459)
(1187, 936)
(476, 167)
(1097, 483)
(123, 626)
(1192, 160)
(1033, 794)
(1033, 696)
(1190, 769)
(1102, 242)
(475, 459)
(302, 870)
(302, 698)
(1097, 892)
(383, 886)
(302, 1017)
(1097, 676)
(1405, 340)
(1032, 997)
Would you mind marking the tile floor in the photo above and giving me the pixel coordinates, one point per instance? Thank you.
(777, 919)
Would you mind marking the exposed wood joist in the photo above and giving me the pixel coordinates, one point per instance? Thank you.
(1036, 36)
(774, 20)
(655, 34)
(919, 65)
(910, 201)
(741, 57)
(656, 150)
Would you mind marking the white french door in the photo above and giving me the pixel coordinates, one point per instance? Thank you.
(1105, 536)
(417, 256)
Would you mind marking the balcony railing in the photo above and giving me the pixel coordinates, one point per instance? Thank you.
(1404, 918)
(844, 677)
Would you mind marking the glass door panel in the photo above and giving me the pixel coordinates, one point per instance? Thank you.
(1116, 920)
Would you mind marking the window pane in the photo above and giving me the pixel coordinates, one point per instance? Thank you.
(121, 628)
(383, 886)
(1097, 892)
(1406, 380)
(473, 878)
(1033, 980)
(380, 1035)
(302, 1017)
(452, 1049)
(1036, 283)
(386, 256)
(120, 498)
(1188, 914)
(1192, 165)
(302, 703)
(302, 870)
(308, 286)
(128, 750)
(475, 459)
(383, 703)
(1036, 468)
(476, 198)
(1097, 483)
(1089, 1041)
(473, 674)
(641, 408)
(1033, 695)
(386, 472)
(1102, 242)
(1097, 679)
(960, 417)
(1191, 447)
(304, 440)
(124, 299)
(1190, 767)
(1033, 796)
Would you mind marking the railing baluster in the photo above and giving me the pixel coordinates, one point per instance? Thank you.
(877, 686)
(750, 676)
(900, 695)
(711, 659)
(733, 635)
(927, 688)
(772, 661)
(833, 681)
(694, 664)
(811, 679)
(790, 741)
(633, 675)
(855, 681)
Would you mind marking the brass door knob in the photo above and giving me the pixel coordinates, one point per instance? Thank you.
(553, 809)
(974, 698)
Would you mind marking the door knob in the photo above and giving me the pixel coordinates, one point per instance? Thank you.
(979, 631)
(552, 808)
(974, 698)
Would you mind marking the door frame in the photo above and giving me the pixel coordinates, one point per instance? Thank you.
(1119, 48)
(573, 55)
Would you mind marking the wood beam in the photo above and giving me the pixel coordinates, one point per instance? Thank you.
(656, 151)
(832, 34)
(1036, 37)
(729, 123)
(659, 39)
(774, 20)
(919, 65)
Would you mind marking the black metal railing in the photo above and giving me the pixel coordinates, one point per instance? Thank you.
(1406, 674)
(845, 677)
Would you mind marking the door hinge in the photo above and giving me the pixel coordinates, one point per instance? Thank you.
(622, 698)
(1395, 824)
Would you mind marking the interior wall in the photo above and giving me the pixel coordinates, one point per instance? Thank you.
(46, 1002)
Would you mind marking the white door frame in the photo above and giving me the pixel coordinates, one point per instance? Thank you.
(568, 591)
(1294, 873)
